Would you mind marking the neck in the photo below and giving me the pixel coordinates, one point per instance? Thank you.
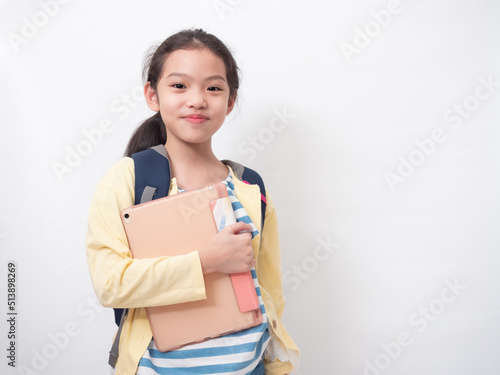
(195, 166)
(192, 154)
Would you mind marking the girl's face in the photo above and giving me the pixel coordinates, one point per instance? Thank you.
(192, 95)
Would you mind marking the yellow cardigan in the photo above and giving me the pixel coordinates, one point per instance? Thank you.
(123, 282)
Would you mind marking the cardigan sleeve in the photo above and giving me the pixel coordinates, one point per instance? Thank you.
(282, 354)
(124, 282)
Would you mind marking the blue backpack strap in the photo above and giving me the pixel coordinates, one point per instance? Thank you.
(152, 174)
(251, 177)
(152, 181)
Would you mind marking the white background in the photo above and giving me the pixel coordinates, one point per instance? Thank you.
(354, 118)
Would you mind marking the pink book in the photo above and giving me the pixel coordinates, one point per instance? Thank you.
(243, 285)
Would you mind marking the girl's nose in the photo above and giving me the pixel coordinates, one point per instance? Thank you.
(196, 99)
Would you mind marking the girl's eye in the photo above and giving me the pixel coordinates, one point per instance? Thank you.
(178, 86)
(214, 88)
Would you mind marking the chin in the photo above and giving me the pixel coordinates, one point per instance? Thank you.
(197, 140)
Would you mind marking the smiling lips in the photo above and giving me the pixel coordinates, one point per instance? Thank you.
(195, 119)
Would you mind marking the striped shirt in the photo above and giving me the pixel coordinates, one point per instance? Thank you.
(238, 353)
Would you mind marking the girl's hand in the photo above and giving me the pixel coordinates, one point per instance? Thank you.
(230, 251)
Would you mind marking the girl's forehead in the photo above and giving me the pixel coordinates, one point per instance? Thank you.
(194, 62)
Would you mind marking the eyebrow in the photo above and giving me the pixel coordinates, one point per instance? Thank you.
(184, 75)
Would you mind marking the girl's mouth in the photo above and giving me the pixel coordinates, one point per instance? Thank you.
(195, 119)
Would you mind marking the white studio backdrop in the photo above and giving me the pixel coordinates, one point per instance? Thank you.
(373, 123)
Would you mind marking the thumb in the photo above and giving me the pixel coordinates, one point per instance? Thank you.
(239, 227)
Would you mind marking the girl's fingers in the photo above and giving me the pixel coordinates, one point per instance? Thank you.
(239, 227)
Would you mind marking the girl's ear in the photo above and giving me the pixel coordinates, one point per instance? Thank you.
(230, 104)
(151, 97)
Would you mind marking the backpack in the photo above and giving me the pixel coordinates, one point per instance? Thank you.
(152, 181)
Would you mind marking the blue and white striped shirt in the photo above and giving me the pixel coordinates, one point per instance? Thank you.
(238, 353)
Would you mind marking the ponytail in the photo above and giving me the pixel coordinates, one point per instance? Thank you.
(151, 133)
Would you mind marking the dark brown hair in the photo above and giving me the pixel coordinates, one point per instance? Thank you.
(152, 132)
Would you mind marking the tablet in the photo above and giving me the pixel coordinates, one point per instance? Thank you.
(177, 225)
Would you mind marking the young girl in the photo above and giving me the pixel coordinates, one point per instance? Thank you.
(192, 83)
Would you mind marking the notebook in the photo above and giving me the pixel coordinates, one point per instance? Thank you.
(177, 225)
